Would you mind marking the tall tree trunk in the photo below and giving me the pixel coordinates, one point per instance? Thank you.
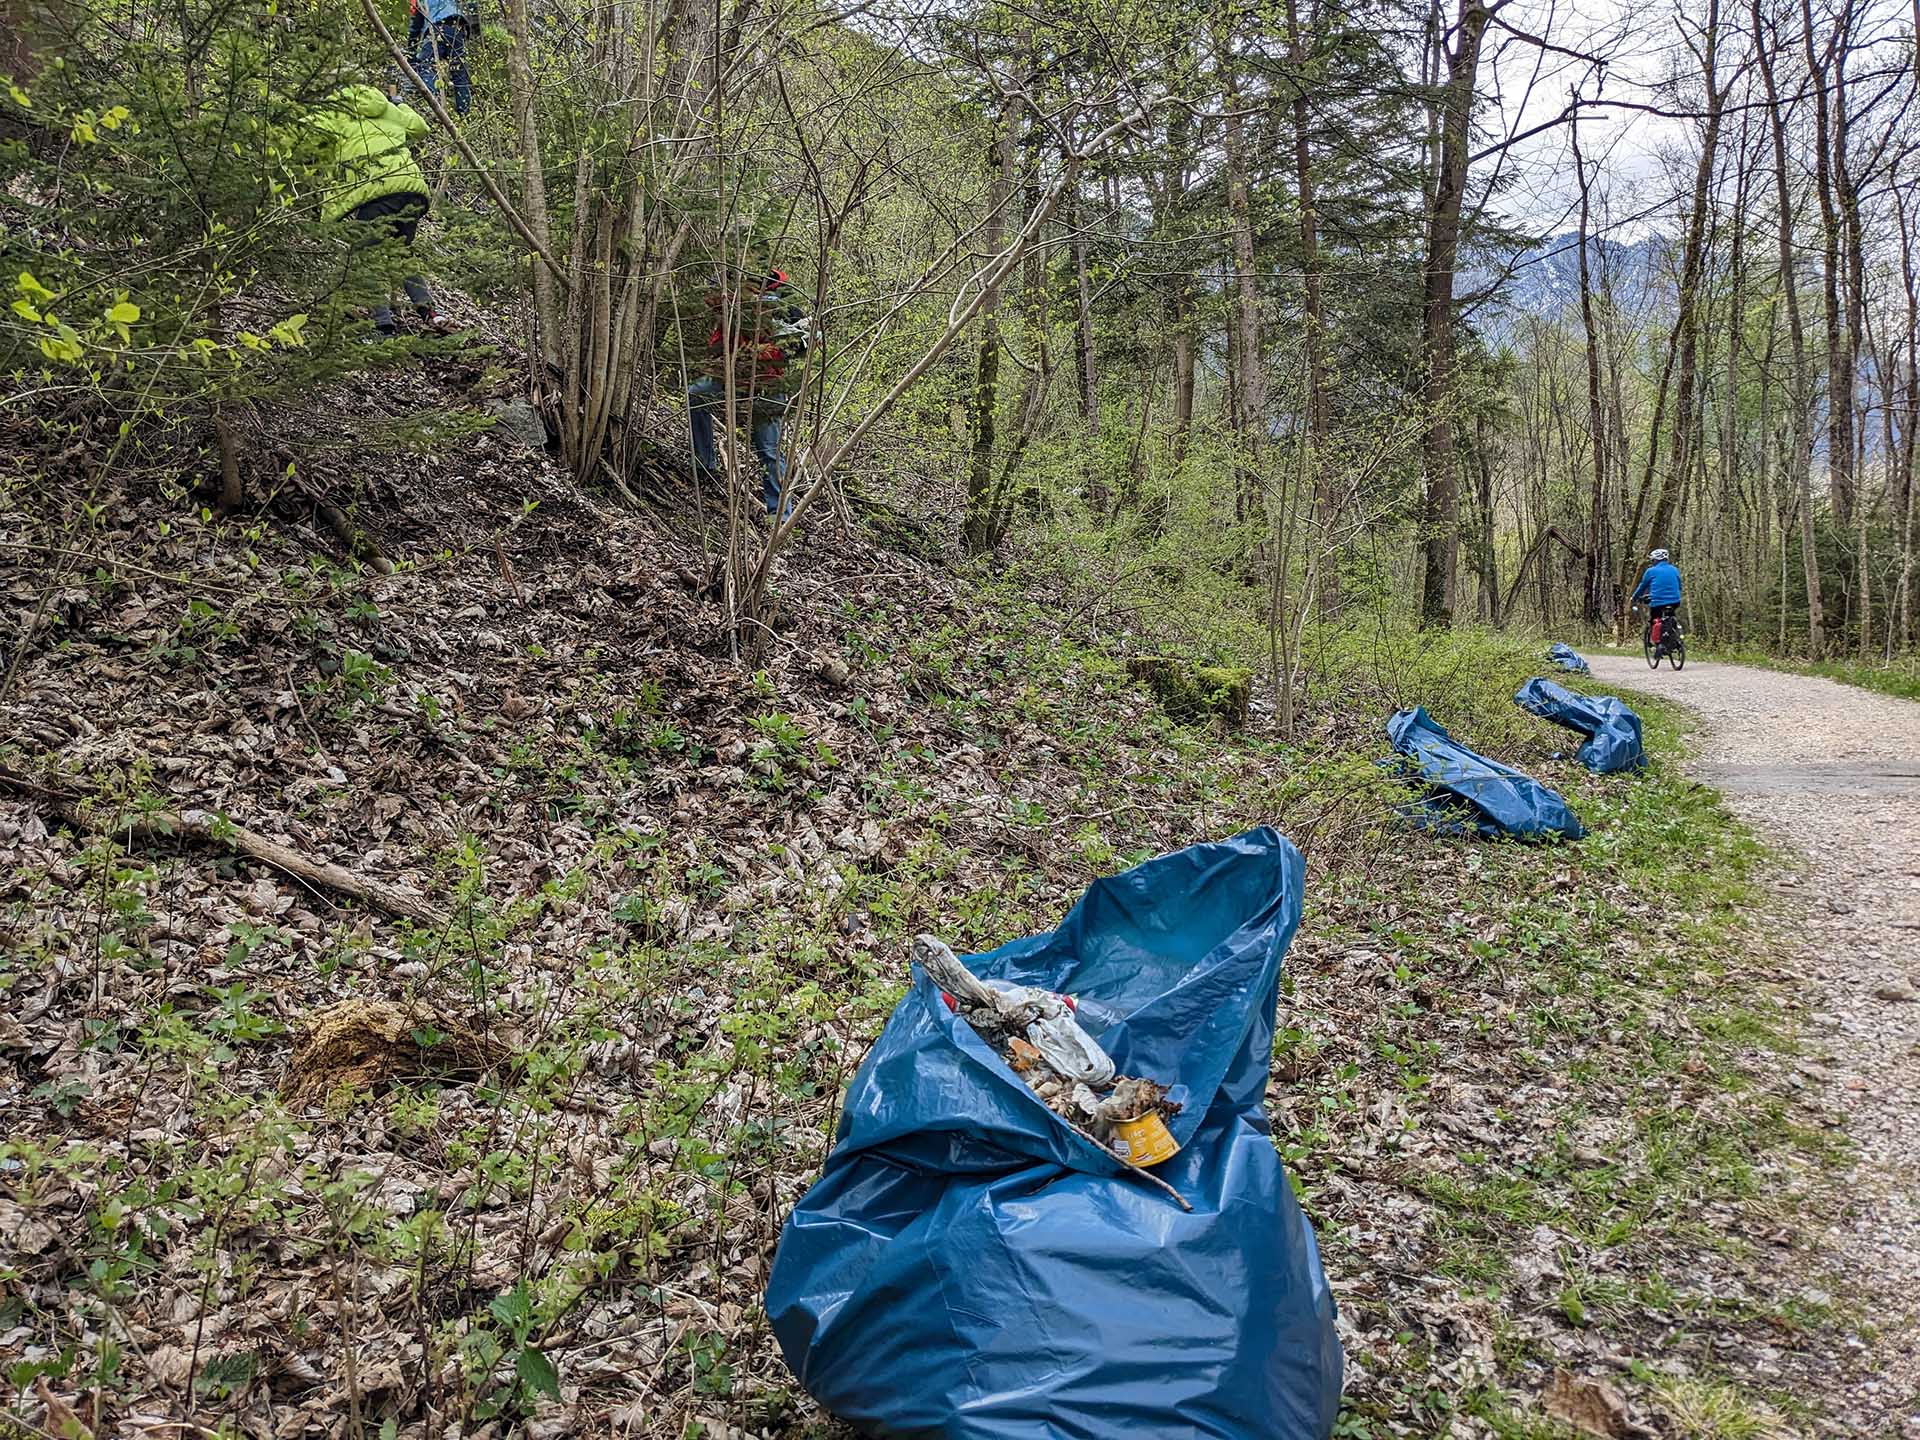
(1037, 383)
(1910, 417)
(1326, 489)
(1169, 212)
(979, 525)
(533, 181)
(1440, 514)
(1185, 372)
(1801, 422)
(1086, 373)
(1886, 367)
(1614, 359)
(1853, 271)
(1829, 121)
(1732, 503)
(1692, 277)
(1631, 548)
(1250, 408)
(1767, 485)
(1483, 538)
(1596, 416)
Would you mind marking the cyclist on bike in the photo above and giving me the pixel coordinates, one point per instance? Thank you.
(1660, 588)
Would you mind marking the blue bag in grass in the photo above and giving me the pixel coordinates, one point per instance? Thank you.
(1470, 793)
(1611, 728)
(968, 1267)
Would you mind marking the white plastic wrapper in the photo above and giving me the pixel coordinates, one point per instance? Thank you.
(1044, 1017)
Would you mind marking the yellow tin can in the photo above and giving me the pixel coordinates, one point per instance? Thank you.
(1145, 1141)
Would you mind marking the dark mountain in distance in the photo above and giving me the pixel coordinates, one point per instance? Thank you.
(1545, 280)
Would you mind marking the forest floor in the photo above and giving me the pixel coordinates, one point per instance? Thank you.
(1834, 775)
(516, 1161)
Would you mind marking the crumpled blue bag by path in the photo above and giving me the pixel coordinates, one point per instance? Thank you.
(1612, 729)
(1473, 792)
(969, 1268)
(1567, 658)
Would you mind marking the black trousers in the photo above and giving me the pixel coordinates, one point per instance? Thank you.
(396, 217)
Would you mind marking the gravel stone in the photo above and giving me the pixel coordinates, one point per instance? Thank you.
(1831, 773)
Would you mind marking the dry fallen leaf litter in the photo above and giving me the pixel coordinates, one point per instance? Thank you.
(681, 889)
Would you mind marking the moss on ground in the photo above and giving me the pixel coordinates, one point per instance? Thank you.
(1189, 692)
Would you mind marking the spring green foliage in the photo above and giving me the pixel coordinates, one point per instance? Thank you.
(161, 249)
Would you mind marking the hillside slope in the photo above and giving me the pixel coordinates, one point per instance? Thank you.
(533, 1172)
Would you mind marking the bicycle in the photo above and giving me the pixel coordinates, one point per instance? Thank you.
(1670, 644)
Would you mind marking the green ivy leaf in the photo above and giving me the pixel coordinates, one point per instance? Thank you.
(537, 1372)
(511, 1307)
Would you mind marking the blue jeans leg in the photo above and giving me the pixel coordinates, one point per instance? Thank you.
(704, 396)
(766, 444)
(416, 29)
(445, 43)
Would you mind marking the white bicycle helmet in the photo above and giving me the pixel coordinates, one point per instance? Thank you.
(1658, 555)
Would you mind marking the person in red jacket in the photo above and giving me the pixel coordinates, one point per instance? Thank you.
(767, 349)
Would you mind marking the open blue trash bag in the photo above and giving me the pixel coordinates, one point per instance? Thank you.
(1612, 729)
(1567, 658)
(969, 1268)
(1473, 793)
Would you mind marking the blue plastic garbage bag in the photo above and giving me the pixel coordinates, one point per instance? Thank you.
(1471, 791)
(1567, 658)
(1612, 729)
(969, 1268)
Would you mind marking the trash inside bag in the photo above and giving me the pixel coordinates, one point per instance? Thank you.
(1612, 730)
(972, 1266)
(1039, 1036)
(1567, 658)
(1045, 1019)
(1470, 794)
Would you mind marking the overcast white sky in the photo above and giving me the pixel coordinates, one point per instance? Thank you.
(1646, 160)
(1643, 41)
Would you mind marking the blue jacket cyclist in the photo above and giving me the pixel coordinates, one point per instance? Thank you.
(1659, 586)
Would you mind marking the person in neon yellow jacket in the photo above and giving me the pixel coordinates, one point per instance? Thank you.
(372, 179)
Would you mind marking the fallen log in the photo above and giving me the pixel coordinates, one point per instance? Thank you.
(216, 830)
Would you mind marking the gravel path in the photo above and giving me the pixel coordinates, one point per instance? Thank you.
(1834, 773)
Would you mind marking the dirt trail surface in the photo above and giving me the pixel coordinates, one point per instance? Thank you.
(1834, 773)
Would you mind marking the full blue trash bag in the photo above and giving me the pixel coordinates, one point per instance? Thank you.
(1472, 793)
(1567, 658)
(1612, 729)
(969, 1268)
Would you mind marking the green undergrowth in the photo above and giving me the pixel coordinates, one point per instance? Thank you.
(1584, 1038)
(1599, 1015)
(625, 1060)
